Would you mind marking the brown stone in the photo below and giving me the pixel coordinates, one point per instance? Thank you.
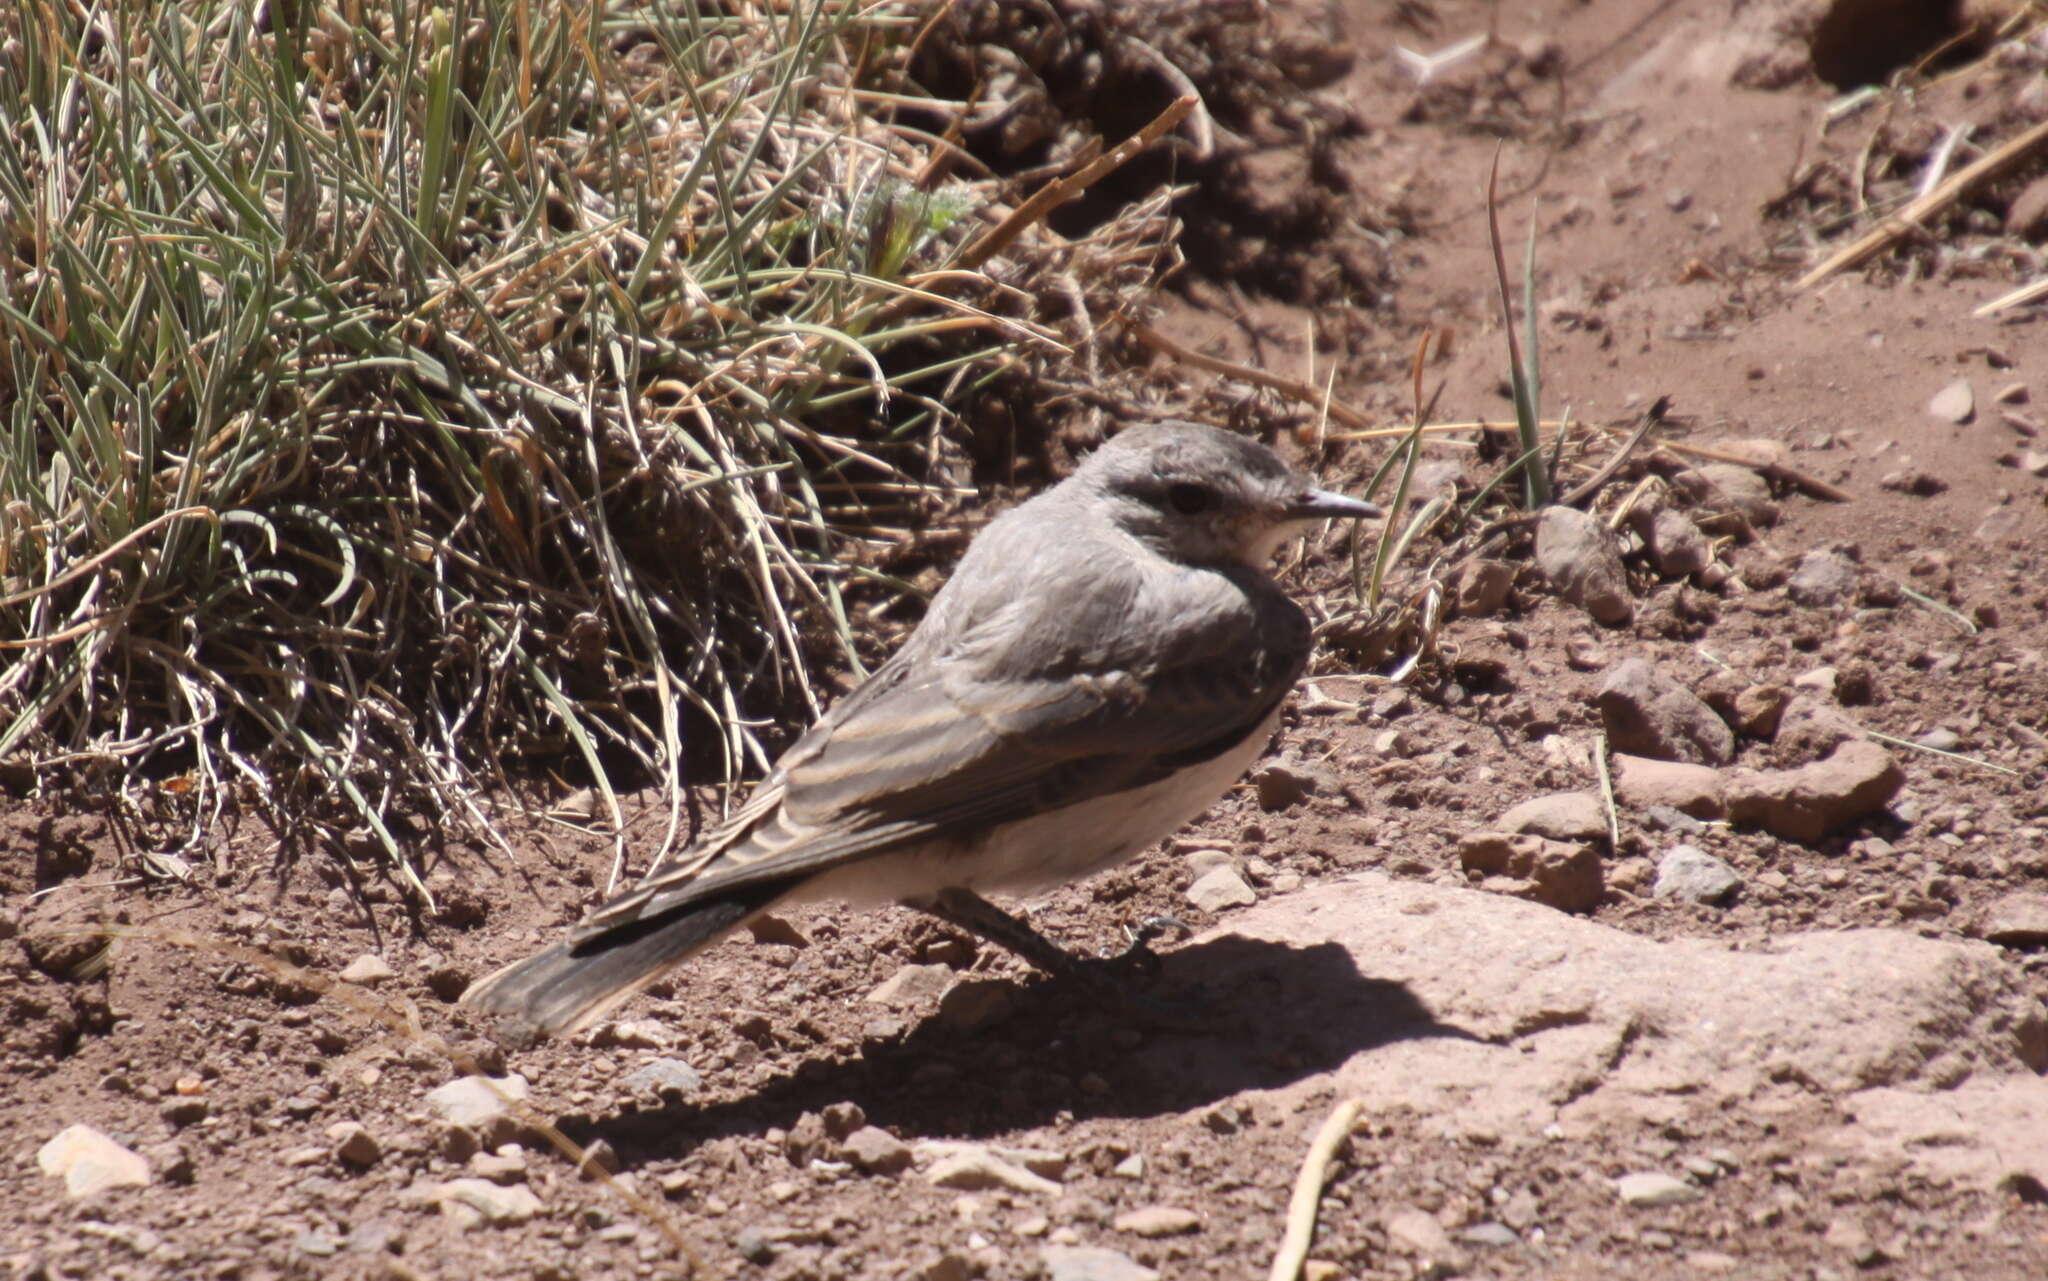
(1856, 780)
(1640, 782)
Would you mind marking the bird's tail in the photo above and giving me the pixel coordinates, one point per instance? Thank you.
(577, 982)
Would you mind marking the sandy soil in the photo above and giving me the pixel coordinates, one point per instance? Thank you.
(1675, 162)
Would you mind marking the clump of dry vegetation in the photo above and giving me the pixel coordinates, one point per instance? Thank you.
(1937, 184)
(393, 395)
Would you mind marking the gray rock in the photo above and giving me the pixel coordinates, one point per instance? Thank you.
(89, 1162)
(1732, 487)
(2017, 918)
(1913, 480)
(171, 1161)
(1852, 1239)
(1810, 727)
(1703, 1168)
(777, 931)
(1646, 713)
(482, 1105)
(1283, 784)
(1933, 1046)
(975, 1169)
(181, 1110)
(1564, 816)
(977, 1003)
(1955, 403)
(1491, 1235)
(1202, 862)
(1824, 680)
(479, 1201)
(1691, 875)
(876, 1151)
(1091, 1263)
(1676, 546)
(1483, 587)
(1759, 709)
(133, 1236)
(1581, 558)
(1420, 1233)
(912, 985)
(1822, 579)
(1941, 739)
(1221, 889)
(663, 1076)
(1663, 818)
(354, 1144)
(636, 1034)
(1999, 524)
(1652, 1188)
(369, 970)
(752, 1244)
(316, 1244)
(1584, 654)
(508, 1166)
(1044, 1162)
(1158, 1221)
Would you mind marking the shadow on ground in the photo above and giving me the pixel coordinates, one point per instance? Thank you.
(1280, 1013)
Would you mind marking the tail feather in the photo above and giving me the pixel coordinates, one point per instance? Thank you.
(574, 984)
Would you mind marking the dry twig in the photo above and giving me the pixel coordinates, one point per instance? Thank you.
(1908, 220)
(1308, 1191)
(1059, 191)
(2031, 292)
(1813, 486)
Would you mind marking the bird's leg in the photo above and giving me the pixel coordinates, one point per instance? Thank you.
(976, 915)
(1105, 977)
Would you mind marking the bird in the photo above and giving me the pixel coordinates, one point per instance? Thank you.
(1105, 661)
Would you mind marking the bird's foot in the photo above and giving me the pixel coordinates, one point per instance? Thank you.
(1137, 956)
(1108, 979)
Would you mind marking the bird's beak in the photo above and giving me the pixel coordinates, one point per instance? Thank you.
(1322, 504)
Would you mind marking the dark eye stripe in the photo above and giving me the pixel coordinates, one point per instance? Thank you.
(1188, 498)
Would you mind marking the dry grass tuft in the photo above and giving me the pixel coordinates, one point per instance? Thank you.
(411, 393)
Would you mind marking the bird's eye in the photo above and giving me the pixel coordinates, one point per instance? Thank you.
(1189, 498)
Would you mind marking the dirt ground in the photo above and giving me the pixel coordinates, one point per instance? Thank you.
(1681, 171)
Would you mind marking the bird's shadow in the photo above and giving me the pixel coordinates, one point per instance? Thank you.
(1278, 1013)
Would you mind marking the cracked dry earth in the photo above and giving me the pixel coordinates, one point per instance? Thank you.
(1785, 1020)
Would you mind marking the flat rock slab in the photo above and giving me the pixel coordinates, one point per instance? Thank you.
(1499, 1017)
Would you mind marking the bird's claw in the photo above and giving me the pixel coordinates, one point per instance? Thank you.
(1137, 953)
(1153, 927)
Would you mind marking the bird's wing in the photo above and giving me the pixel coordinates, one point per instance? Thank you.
(934, 746)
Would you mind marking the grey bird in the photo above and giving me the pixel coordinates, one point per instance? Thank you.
(1106, 660)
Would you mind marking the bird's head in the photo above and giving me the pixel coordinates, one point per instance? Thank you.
(1205, 496)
